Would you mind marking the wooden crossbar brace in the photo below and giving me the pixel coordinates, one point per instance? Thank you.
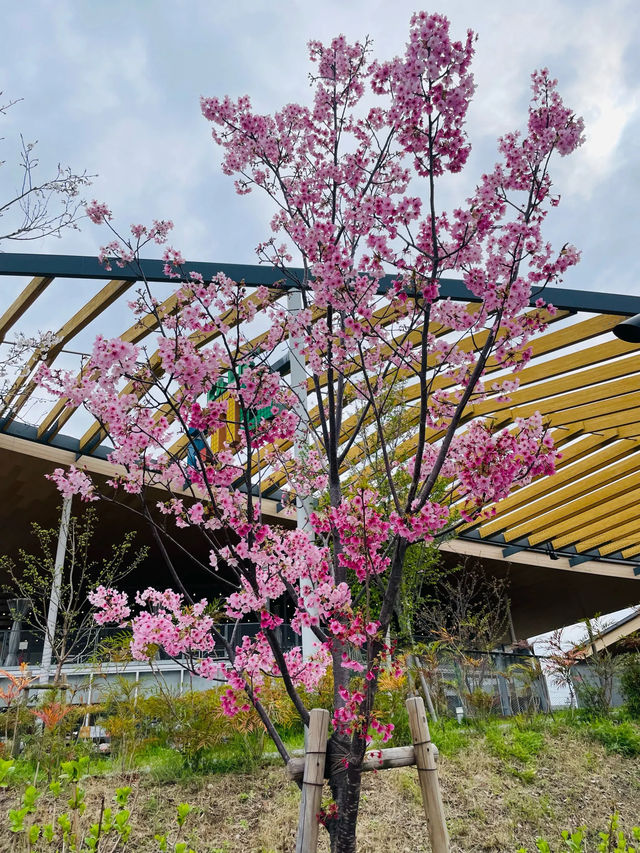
(374, 759)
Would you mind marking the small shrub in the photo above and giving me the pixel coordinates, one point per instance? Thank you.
(630, 682)
(188, 723)
(593, 699)
(480, 703)
(622, 738)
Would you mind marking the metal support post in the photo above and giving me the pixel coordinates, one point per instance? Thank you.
(18, 608)
(298, 380)
(56, 586)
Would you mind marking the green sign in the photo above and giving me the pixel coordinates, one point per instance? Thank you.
(255, 416)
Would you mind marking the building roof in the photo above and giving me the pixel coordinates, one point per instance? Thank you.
(620, 634)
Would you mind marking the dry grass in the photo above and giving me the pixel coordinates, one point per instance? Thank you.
(492, 804)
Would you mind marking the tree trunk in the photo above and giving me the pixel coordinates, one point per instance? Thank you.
(345, 784)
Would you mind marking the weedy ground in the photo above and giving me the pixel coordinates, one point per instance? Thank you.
(503, 785)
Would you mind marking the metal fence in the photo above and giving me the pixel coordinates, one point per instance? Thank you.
(472, 684)
(481, 683)
(30, 645)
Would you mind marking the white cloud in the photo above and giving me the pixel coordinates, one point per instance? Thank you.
(115, 87)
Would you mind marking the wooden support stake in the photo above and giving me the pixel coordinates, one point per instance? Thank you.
(427, 775)
(417, 664)
(311, 800)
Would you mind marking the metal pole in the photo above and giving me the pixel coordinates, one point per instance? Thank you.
(298, 379)
(54, 600)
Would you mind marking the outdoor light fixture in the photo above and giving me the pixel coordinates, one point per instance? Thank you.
(629, 330)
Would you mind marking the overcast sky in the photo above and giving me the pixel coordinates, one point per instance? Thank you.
(113, 87)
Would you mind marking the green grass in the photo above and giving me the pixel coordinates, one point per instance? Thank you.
(28, 771)
(449, 736)
(517, 744)
(165, 764)
(618, 732)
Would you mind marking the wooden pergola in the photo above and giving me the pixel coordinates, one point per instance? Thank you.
(570, 542)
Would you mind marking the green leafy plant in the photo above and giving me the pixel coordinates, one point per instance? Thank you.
(7, 767)
(38, 819)
(619, 737)
(630, 683)
(612, 840)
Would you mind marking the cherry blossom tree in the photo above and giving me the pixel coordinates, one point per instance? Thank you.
(359, 236)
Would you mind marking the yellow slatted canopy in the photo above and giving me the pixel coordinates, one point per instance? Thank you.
(583, 380)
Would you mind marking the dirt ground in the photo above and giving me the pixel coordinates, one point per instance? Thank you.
(491, 804)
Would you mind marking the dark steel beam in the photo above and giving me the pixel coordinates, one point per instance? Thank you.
(79, 266)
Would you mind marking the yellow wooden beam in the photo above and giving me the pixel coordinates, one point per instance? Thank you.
(526, 376)
(591, 327)
(549, 393)
(607, 503)
(610, 518)
(383, 316)
(22, 302)
(564, 485)
(619, 544)
(543, 345)
(593, 400)
(613, 534)
(410, 393)
(414, 391)
(628, 430)
(631, 552)
(575, 499)
(231, 319)
(89, 311)
(550, 494)
(60, 413)
(625, 422)
(561, 487)
(572, 334)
